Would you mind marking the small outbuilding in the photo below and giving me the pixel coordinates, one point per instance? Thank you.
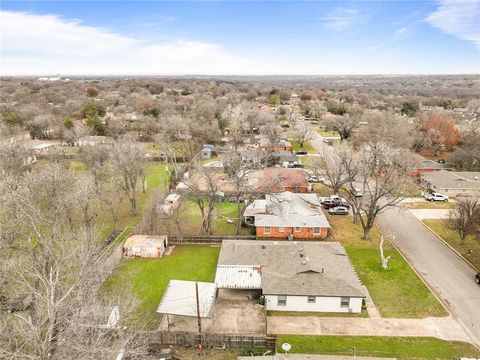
(145, 246)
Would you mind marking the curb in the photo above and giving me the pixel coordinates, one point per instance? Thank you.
(449, 246)
(432, 290)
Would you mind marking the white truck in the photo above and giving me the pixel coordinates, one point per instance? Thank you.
(435, 197)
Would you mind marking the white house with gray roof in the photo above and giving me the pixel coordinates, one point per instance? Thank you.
(293, 276)
(453, 183)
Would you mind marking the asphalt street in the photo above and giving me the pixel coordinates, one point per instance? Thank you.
(448, 275)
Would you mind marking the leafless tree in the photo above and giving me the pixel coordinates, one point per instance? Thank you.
(337, 166)
(129, 163)
(382, 174)
(303, 134)
(465, 218)
(204, 192)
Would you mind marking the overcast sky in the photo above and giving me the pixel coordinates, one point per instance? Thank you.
(243, 38)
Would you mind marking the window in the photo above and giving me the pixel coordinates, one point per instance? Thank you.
(282, 300)
(316, 231)
(298, 228)
(267, 230)
(311, 299)
(281, 229)
(345, 302)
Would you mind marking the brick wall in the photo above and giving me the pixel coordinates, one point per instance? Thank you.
(304, 233)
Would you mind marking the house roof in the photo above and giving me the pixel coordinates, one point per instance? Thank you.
(279, 177)
(462, 180)
(145, 241)
(296, 268)
(422, 163)
(180, 299)
(288, 209)
(172, 197)
(285, 156)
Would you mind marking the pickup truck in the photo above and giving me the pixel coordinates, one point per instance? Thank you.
(436, 197)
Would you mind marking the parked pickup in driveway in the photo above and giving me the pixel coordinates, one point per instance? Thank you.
(436, 197)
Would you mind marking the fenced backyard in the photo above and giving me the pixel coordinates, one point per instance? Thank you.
(231, 341)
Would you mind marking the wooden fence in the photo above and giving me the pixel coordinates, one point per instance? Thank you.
(173, 239)
(207, 339)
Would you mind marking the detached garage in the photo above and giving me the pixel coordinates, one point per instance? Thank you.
(145, 246)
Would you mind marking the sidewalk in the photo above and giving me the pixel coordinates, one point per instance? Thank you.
(430, 213)
(444, 328)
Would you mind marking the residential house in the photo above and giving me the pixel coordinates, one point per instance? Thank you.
(145, 246)
(423, 165)
(285, 159)
(279, 180)
(288, 215)
(452, 183)
(292, 276)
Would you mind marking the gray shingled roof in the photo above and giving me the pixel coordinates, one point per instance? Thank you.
(288, 209)
(453, 179)
(323, 270)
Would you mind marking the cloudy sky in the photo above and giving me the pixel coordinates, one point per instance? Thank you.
(239, 37)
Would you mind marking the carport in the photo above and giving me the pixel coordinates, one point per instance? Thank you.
(180, 301)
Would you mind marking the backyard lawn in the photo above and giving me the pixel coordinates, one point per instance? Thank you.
(222, 211)
(397, 347)
(148, 278)
(397, 292)
(470, 250)
(157, 178)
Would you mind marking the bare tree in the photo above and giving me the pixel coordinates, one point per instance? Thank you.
(384, 259)
(128, 161)
(204, 191)
(337, 166)
(381, 174)
(465, 218)
(303, 134)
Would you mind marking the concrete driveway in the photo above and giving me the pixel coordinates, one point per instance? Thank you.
(443, 328)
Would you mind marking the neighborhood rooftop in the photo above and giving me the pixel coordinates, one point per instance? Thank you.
(453, 179)
(293, 268)
(288, 209)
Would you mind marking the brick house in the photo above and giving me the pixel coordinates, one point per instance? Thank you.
(423, 165)
(278, 180)
(288, 215)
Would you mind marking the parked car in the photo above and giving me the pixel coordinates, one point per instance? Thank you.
(329, 204)
(315, 179)
(338, 210)
(477, 278)
(296, 166)
(300, 152)
(328, 142)
(357, 192)
(436, 197)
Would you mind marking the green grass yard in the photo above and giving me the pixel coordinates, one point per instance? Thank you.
(222, 211)
(470, 250)
(397, 292)
(148, 278)
(429, 205)
(326, 133)
(398, 347)
(306, 145)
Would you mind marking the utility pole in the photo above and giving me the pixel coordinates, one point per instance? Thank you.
(198, 309)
